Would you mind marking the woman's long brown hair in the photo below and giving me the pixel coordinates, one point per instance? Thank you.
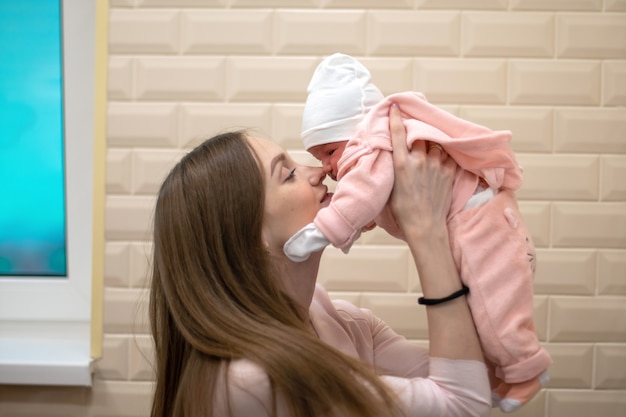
(214, 298)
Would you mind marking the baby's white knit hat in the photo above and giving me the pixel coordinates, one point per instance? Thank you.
(338, 97)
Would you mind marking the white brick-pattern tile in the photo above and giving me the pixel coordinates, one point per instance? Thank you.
(600, 36)
(614, 86)
(114, 362)
(589, 225)
(566, 271)
(199, 121)
(476, 81)
(150, 166)
(365, 3)
(573, 365)
(369, 268)
(532, 127)
(140, 257)
(541, 305)
(587, 319)
(537, 218)
(285, 125)
(128, 217)
(275, 3)
(612, 272)
(612, 174)
(120, 398)
(125, 311)
(141, 358)
(559, 177)
(416, 33)
(595, 130)
(557, 5)
(495, 34)
(615, 5)
(258, 79)
(226, 32)
(541, 82)
(142, 124)
(462, 4)
(118, 175)
(319, 32)
(400, 311)
(392, 74)
(580, 403)
(120, 78)
(173, 78)
(144, 31)
(116, 264)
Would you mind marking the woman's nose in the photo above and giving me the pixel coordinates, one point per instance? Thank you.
(318, 175)
(328, 168)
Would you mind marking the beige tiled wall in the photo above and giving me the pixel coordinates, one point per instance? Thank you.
(552, 71)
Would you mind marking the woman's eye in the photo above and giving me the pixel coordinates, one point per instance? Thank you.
(331, 152)
(291, 175)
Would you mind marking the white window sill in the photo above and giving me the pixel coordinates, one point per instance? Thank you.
(45, 353)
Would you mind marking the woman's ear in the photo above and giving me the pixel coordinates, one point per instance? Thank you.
(264, 237)
(270, 242)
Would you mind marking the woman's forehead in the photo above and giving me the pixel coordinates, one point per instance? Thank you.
(265, 149)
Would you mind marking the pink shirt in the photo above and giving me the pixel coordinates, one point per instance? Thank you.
(425, 386)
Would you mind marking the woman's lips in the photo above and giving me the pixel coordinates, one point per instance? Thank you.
(326, 200)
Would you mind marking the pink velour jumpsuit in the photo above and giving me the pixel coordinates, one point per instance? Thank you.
(491, 245)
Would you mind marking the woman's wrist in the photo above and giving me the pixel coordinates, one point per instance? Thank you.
(435, 301)
(437, 271)
(426, 245)
(421, 237)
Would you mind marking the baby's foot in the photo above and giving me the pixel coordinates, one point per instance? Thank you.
(518, 394)
(498, 393)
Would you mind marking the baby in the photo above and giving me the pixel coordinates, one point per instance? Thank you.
(346, 126)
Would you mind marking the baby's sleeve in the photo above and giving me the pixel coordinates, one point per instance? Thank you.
(360, 195)
(307, 240)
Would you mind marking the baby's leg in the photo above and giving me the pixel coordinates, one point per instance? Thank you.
(495, 255)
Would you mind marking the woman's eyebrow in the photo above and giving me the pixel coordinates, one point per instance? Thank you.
(276, 160)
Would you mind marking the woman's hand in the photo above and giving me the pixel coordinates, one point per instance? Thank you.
(420, 201)
(422, 192)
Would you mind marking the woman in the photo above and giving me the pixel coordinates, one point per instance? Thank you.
(240, 330)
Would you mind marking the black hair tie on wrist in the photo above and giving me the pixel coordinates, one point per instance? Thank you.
(434, 301)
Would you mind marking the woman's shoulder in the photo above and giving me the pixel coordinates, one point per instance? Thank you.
(339, 308)
(245, 391)
(343, 325)
(244, 370)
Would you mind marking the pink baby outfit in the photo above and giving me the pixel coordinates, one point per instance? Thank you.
(491, 245)
(425, 386)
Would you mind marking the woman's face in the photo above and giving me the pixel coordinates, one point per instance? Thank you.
(293, 196)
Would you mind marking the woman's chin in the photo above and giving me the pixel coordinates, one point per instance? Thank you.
(326, 200)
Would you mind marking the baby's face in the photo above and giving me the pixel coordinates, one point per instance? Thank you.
(329, 154)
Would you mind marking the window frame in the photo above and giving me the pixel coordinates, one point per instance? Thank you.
(51, 328)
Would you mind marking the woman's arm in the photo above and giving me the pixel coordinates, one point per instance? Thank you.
(420, 201)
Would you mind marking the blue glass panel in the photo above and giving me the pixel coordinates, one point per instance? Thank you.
(32, 180)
